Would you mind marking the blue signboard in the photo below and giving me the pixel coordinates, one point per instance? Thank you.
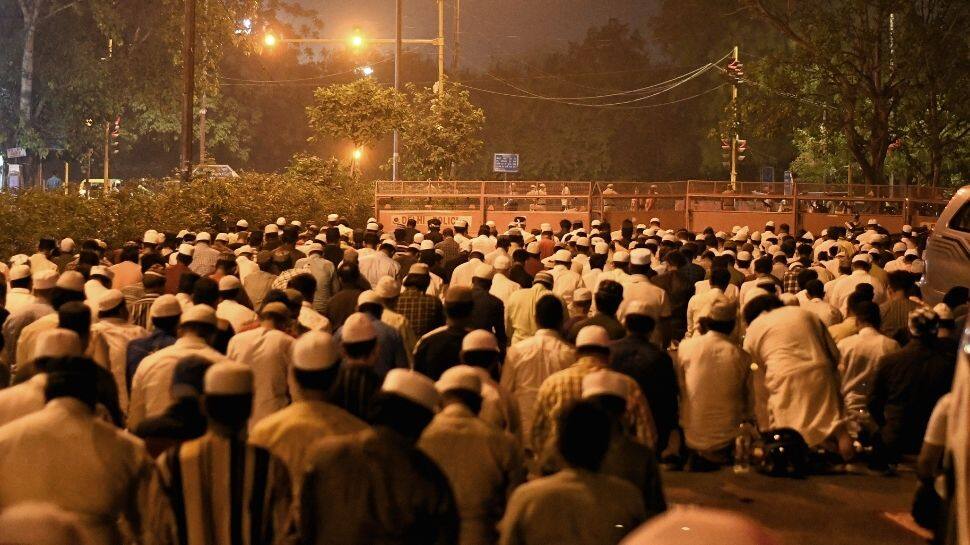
(506, 162)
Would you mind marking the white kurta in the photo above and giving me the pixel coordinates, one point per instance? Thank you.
(565, 282)
(89, 468)
(714, 386)
(859, 355)
(800, 360)
(269, 353)
(238, 316)
(22, 399)
(377, 265)
(152, 384)
(530, 362)
(108, 347)
(503, 288)
(463, 274)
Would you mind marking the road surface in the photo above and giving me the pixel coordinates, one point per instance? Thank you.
(820, 510)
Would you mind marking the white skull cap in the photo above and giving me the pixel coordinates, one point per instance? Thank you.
(592, 335)
(427, 244)
(228, 378)
(621, 257)
(203, 237)
(101, 270)
(199, 314)
(478, 340)
(187, 249)
(357, 329)
(546, 227)
(460, 377)
(44, 280)
(605, 382)
(332, 217)
(369, 297)
(19, 272)
(315, 351)
(484, 271)
(110, 299)
(57, 343)
(40, 523)
(387, 287)
(165, 306)
(640, 256)
(271, 228)
(601, 248)
(655, 220)
(242, 224)
(71, 281)
(281, 221)
(562, 255)
(413, 386)
(151, 237)
(502, 263)
(694, 525)
(229, 282)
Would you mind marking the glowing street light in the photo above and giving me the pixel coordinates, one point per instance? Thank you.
(270, 39)
(366, 70)
(356, 39)
(358, 153)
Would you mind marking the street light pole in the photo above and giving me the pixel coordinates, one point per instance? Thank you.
(441, 47)
(107, 156)
(734, 126)
(188, 90)
(397, 78)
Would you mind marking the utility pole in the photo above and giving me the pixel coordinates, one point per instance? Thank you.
(734, 132)
(107, 156)
(398, 16)
(202, 112)
(188, 89)
(454, 58)
(441, 47)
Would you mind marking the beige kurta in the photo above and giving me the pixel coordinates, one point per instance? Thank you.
(108, 347)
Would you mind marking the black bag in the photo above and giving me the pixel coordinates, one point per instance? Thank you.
(784, 454)
(927, 506)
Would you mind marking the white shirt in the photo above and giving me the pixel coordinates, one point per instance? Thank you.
(246, 267)
(732, 291)
(857, 364)
(528, 363)
(18, 298)
(89, 468)
(269, 353)
(699, 307)
(22, 399)
(565, 282)
(936, 427)
(377, 265)
(715, 397)
(502, 287)
(108, 347)
(152, 384)
(463, 274)
(236, 314)
(744, 293)
(837, 291)
(639, 288)
(825, 312)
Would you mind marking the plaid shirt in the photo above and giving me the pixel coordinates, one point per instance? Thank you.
(790, 282)
(566, 386)
(423, 311)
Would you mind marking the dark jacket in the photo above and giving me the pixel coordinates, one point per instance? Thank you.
(488, 313)
(439, 351)
(653, 370)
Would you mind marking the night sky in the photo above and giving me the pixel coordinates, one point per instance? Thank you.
(490, 28)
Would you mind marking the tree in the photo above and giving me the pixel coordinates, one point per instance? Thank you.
(438, 133)
(362, 111)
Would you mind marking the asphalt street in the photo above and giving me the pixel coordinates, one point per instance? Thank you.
(843, 509)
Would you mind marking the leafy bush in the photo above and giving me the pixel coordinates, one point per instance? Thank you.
(309, 190)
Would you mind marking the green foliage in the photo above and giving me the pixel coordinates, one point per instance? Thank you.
(309, 190)
(438, 134)
(362, 111)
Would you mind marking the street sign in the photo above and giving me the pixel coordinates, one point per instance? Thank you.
(768, 175)
(505, 162)
(14, 153)
(789, 182)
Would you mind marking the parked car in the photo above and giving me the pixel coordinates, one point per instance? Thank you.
(214, 171)
(947, 253)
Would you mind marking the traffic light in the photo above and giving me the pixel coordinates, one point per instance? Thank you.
(115, 134)
(725, 152)
(742, 146)
(735, 71)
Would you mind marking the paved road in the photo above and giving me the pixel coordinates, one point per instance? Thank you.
(825, 510)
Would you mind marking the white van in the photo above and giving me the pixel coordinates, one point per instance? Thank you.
(947, 253)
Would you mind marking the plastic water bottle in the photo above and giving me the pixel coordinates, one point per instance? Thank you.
(742, 450)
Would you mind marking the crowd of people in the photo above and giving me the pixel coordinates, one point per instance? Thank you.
(326, 384)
